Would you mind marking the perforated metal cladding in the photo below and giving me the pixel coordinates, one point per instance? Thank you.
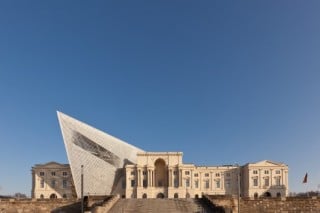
(102, 156)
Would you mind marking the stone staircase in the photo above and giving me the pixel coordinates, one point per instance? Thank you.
(158, 206)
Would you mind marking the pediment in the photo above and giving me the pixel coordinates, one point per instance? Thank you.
(266, 163)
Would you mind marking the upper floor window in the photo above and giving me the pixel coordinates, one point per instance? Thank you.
(196, 174)
(266, 182)
(53, 183)
(266, 172)
(217, 183)
(278, 172)
(41, 183)
(228, 183)
(144, 172)
(53, 173)
(255, 172)
(206, 174)
(64, 173)
(64, 184)
(207, 184)
(175, 172)
(217, 174)
(255, 182)
(196, 184)
(145, 183)
(41, 173)
(187, 173)
(176, 183)
(133, 183)
(228, 174)
(132, 172)
(278, 181)
(187, 182)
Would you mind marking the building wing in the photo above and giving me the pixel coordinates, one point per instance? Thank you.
(102, 156)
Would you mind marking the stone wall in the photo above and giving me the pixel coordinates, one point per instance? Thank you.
(39, 206)
(266, 205)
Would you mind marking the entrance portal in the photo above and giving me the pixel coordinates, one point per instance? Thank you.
(160, 195)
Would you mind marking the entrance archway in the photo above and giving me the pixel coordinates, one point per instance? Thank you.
(255, 195)
(197, 196)
(160, 173)
(160, 195)
(278, 194)
(144, 195)
(267, 194)
(53, 196)
(176, 195)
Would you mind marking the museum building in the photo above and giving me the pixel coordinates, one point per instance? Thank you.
(111, 166)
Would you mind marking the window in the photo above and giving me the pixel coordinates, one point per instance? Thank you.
(207, 184)
(228, 183)
(255, 182)
(41, 173)
(53, 183)
(187, 173)
(278, 183)
(41, 183)
(266, 172)
(64, 196)
(64, 173)
(206, 174)
(133, 183)
(144, 172)
(53, 173)
(255, 172)
(278, 172)
(176, 183)
(227, 174)
(175, 172)
(217, 183)
(196, 175)
(266, 182)
(132, 172)
(64, 184)
(41, 196)
(196, 184)
(145, 183)
(217, 174)
(187, 183)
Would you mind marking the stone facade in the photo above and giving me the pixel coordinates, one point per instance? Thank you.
(52, 180)
(164, 175)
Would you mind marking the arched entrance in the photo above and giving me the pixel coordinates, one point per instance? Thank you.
(41, 196)
(160, 173)
(176, 195)
(267, 194)
(278, 194)
(53, 196)
(255, 195)
(144, 195)
(160, 195)
(197, 196)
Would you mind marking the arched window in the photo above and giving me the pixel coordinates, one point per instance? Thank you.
(160, 195)
(161, 173)
(196, 196)
(144, 195)
(176, 195)
(256, 195)
(41, 196)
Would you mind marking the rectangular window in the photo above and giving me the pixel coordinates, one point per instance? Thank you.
(278, 181)
(187, 183)
(266, 182)
(196, 184)
(53, 173)
(175, 172)
(41, 183)
(64, 184)
(207, 184)
(255, 172)
(255, 182)
(144, 172)
(278, 172)
(132, 172)
(228, 183)
(176, 183)
(145, 183)
(41, 174)
(266, 172)
(217, 174)
(53, 183)
(187, 173)
(228, 174)
(196, 174)
(133, 183)
(206, 174)
(217, 183)
(64, 173)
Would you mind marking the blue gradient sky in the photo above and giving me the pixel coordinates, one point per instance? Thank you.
(222, 81)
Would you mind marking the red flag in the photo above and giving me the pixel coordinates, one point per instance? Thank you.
(305, 179)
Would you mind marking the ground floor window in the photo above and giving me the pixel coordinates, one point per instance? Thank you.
(176, 195)
(53, 196)
(144, 195)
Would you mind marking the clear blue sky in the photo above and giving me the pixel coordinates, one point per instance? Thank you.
(222, 81)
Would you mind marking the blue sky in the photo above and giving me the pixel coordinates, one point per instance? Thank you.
(222, 81)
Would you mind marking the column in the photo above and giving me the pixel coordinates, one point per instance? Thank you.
(153, 178)
(139, 177)
(149, 178)
(200, 181)
(191, 179)
(260, 178)
(271, 177)
(170, 177)
(180, 178)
